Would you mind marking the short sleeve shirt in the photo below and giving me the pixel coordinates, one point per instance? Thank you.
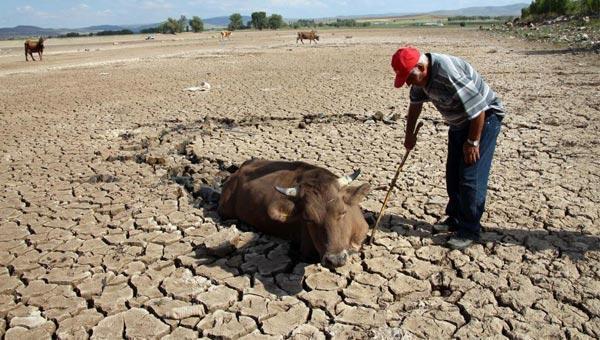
(456, 90)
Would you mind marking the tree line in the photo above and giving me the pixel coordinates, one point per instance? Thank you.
(337, 23)
(480, 18)
(172, 25)
(258, 21)
(101, 33)
(544, 8)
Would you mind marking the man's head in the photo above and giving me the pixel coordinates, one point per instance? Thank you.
(410, 67)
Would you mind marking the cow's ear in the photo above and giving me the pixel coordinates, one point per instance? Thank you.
(353, 195)
(281, 210)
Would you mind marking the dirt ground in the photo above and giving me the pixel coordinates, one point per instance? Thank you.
(104, 232)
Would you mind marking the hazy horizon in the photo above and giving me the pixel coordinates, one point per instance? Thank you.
(71, 13)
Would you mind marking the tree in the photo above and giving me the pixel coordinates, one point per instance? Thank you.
(590, 7)
(235, 22)
(183, 24)
(545, 7)
(197, 24)
(559, 6)
(304, 23)
(275, 21)
(151, 30)
(121, 32)
(170, 26)
(259, 20)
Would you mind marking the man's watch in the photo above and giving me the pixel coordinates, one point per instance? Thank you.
(473, 143)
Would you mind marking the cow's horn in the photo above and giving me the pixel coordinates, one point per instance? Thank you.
(345, 180)
(292, 192)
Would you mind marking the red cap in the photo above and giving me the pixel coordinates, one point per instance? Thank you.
(403, 61)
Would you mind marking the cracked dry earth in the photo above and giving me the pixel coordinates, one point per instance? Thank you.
(105, 230)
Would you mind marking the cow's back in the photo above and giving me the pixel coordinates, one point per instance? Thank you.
(248, 193)
(32, 45)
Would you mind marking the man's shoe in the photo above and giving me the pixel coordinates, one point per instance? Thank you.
(448, 225)
(457, 242)
(462, 240)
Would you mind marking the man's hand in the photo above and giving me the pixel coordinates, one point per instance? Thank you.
(410, 140)
(471, 153)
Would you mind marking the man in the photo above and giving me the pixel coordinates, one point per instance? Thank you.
(474, 115)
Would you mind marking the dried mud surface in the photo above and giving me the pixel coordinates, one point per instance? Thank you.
(105, 231)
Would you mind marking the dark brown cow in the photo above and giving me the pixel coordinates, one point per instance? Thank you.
(312, 35)
(34, 46)
(300, 202)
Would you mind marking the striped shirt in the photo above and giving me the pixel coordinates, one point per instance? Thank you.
(456, 90)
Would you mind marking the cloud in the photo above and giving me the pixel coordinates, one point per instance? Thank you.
(86, 14)
(25, 9)
(156, 5)
(32, 12)
(106, 12)
(299, 3)
(246, 6)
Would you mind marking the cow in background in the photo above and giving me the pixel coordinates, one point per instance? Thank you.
(225, 34)
(297, 201)
(34, 46)
(311, 36)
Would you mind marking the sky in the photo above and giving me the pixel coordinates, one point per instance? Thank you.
(82, 13)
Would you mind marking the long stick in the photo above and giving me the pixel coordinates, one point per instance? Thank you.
(392, 185)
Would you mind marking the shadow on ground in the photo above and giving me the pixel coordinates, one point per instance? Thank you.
(573, 244)
(273, 266)
(265, 265)
(569, 50)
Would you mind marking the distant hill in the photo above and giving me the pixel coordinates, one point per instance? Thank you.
(26, 31)
(223, 21)
(102, 28)
(492, 11)
(34, 31)
(137, 28)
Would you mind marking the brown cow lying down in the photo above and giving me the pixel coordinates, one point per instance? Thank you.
(34, 46)
(300, 202)
(312, 35)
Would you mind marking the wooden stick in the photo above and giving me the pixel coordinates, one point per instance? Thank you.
(392, 185)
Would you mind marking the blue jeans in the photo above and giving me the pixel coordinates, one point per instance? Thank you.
(467, 185)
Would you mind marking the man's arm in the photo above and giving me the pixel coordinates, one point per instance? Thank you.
(410, 139)
(470, 151)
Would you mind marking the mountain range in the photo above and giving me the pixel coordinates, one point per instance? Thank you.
(223, 21)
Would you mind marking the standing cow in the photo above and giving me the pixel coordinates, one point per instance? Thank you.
(311, 36)
(300, 202)
(225, 35)
(34, 46)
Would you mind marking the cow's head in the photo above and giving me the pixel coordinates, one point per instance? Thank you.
(316, 37)
(328, 208)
